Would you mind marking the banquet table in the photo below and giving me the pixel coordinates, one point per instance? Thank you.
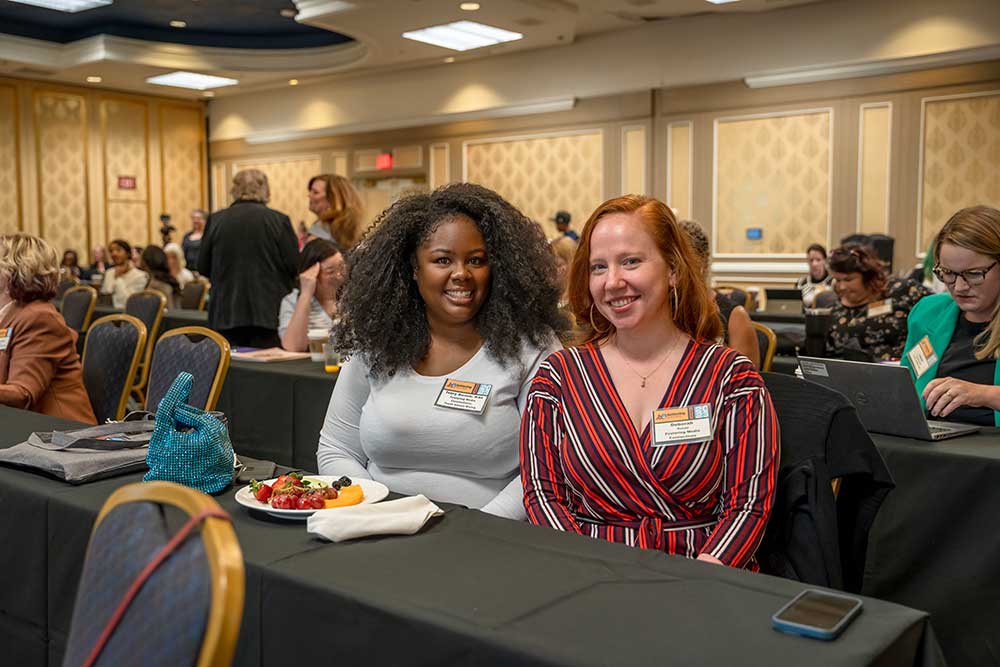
(468, 589)
(935, 544)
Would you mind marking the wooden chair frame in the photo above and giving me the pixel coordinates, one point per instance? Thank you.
(204, 293)
(767, 356)
(139, 388)
(224, 358)
(140, 342)
(90, 308)
(225, 561)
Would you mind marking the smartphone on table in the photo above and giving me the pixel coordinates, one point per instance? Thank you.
(817, 614)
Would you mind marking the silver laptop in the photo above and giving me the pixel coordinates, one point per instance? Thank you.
(884, 396)
(783, 301)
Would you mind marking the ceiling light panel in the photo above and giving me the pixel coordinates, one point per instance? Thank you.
(463, 35)
(71, 6)
(722, 2)
(191, 80)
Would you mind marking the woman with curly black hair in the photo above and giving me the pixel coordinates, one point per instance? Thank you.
(449, 307)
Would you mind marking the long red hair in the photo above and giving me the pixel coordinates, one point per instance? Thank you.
(696, 313)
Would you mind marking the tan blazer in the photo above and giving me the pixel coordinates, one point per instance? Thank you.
(40, 369)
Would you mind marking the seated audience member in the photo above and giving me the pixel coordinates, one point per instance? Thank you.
(870, 318)
(70, 265)
(191, 242)
(99, 265)
(819, 278)
(563, 248)
(958, 378)
(178, 265)
(452, 286)
(154, 262)
(39, 367)
(122, 279)
(313, 305)
(592, 460)
(249, 253)
(737, 327)
(338, 206)
(562, 220)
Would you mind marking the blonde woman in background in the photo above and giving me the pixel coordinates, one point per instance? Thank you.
(958, 377)
(39, 367)
(178, 265)
(338, 206)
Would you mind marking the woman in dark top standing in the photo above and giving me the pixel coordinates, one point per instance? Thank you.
(191, 243)
(953, 346)
(250, 253)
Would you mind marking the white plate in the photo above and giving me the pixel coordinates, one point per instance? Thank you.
(374, 492)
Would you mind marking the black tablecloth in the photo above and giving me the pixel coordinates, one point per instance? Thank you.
(276, 410)
(768, 318)
(172, 319)
(469, 589)
(936, 542)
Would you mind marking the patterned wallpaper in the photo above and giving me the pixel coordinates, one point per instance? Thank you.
(961, 159)
(288, 179)
(10, 210)
(542, 175)
(772, 173)
(182, 139)
(124, 132)
(61, 156)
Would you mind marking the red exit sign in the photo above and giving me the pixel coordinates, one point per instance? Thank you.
(126, 182)
(383, 161)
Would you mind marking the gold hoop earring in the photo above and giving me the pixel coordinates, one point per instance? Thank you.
(593, 326)
(676, 303)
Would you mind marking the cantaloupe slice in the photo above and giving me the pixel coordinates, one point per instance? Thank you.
(349, 495)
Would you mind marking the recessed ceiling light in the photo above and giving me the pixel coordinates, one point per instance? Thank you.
(71, 6)
(208, 93)
(178, 24)
(293, 82)
(450, 59)
(469, 6)
(191, 80)
(722, 2)
(288, 13)
(94, 79)
(462, 35)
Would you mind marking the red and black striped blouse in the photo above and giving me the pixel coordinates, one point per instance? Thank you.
(586, 470)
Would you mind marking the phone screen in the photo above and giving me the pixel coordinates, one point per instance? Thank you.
(818, 610)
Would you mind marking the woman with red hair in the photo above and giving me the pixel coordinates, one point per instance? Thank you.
(649, 433)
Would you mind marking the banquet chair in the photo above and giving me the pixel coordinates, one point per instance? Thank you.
(147, 305)
(110, 357)
(201, 352)
(193, 295)
(826, 299)
(739, 297)
(767, 342)
(78, 307)
(65, 284)
(189, 609)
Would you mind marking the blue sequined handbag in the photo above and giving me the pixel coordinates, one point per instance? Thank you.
(189, 446)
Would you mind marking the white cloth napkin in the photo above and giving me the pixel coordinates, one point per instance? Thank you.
(404, 516)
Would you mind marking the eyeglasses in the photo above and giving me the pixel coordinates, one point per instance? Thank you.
(971, 277)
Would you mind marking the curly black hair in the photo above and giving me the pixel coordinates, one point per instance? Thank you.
(382, 314)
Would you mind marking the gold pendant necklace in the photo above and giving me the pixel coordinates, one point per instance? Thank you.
(650, 373)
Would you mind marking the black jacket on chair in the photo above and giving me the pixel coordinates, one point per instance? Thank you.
(814, 537)
(250, 254)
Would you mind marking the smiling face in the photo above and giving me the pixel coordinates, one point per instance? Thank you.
(629, 279)
(317, 197)
(851, 289)
(453, 272)
(976, 301)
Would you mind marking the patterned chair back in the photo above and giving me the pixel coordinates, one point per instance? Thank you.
(767, 342)
(201, 352)
(189, 610)
(78, 307)
(110, 357)
(193, 295)
(148, 306)
(65, 284)
(739, 297)
(826, 299)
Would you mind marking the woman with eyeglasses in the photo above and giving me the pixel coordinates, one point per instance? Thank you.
(869, 321)
(953, 345)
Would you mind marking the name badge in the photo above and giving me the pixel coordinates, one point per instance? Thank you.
(5, 337)
(880, 308)
(922, 356)
(464, 396)
(672, 426)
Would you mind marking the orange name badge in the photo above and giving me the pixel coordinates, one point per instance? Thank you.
(922, 356)
(877, 308)
(464, 396)
(673, 426)
(5, 337)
